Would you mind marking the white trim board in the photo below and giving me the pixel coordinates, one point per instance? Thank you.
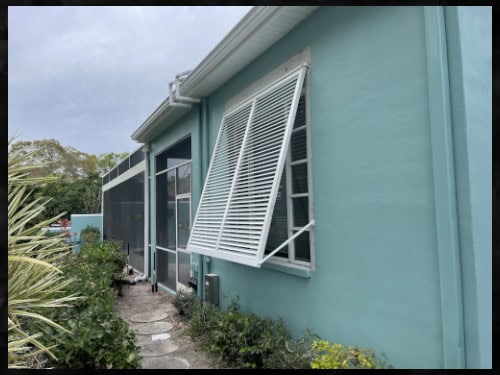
(129, 173)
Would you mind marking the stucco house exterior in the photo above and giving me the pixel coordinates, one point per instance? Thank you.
(332, 166)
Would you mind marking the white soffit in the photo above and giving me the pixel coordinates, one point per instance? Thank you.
(261, 27)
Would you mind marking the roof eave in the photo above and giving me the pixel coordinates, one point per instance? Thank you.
(228, 51)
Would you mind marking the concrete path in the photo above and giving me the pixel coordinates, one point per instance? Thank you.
(160, 331)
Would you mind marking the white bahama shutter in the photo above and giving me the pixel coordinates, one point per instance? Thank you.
(235, 209)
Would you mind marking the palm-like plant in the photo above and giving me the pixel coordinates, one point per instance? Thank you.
(35, 281)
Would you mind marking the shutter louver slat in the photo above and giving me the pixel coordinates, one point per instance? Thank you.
(236, 205)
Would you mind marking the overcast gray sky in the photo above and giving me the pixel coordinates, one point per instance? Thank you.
(90, 76)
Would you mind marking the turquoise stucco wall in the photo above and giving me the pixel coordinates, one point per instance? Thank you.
(188, 125)
(469, 31)
(377, 280)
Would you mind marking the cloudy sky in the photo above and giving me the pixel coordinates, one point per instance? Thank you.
(90, 76)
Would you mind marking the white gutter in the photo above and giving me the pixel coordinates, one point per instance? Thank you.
(261, 27)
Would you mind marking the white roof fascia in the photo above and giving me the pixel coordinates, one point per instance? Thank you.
(260, 28)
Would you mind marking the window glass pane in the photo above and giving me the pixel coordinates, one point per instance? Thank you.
(300, 117)
(183, 222)
(166, 268)
(299, 178)
(184, 267)
(171, 207)
(299, 145)
(278, 231)
(300, 211)
(184, 179)
(302, 247)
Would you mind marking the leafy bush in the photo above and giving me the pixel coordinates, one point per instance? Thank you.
(184, 302)
(98, 338)
(90, 234)
(297, 353)
(246, 340)
(338, 356)
(107, 252)
(240, 339)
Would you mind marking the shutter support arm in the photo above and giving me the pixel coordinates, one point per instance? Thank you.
(310, 224)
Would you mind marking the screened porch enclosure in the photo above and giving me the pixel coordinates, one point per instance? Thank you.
(123, 218)
(173, 215)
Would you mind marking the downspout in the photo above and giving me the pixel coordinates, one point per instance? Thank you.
(175, 97)
(146, 150)
(206, 158)
(171, 99)
(203, 261)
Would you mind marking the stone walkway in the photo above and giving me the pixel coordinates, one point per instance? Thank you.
(160, 331)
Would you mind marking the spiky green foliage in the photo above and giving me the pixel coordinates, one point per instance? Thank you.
(34, 279)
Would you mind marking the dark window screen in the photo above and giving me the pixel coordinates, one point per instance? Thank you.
(175, 155)
(123, 217)
(136, 157)
(114, 173)
(278, 233)
(123, 166)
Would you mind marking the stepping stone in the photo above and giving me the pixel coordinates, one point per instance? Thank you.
(160, 336)
(151, 328)
(148, 316)
(157, 348)
(164, 362)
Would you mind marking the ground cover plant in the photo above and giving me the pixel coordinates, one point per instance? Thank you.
(98, 337)
(244, 340)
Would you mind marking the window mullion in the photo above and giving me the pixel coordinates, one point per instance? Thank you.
(289, 204)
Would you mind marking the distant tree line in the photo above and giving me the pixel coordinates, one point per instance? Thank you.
(76, 184)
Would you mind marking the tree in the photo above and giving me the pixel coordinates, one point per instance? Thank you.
(105, 162)
(91, 195)
(77, 186)
(48, 157)
(64, 161)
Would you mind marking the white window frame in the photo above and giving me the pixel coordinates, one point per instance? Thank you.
(177, 196)
(290, 260)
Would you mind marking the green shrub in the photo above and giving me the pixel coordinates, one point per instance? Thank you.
(98, 338)
(240, 339)
(90, 234)
(184, 302)
(246, 340)
(338, 356)
(296, 354)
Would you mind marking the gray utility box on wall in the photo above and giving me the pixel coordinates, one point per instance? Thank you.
(212, 289)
